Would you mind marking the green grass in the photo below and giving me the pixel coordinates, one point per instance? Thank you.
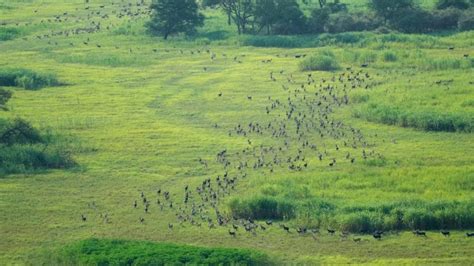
(323, 61)
(27, 79)
(24, 149)
(138, 121)
(120, 252)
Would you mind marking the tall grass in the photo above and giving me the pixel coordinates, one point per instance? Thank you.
(26, 79)
(121, 252)
(25, 149)
(262, 207)
(322, 61)
(423, 119)
(7, 33)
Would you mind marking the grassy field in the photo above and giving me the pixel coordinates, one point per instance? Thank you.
(139, 114)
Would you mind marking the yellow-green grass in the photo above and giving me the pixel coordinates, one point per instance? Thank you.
(140, 121)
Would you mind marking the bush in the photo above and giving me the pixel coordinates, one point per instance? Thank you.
(412, 20)
(29, 158)
(466, 22)
(18, 131)
(5, 96)
(445, 4)
(325, 61)
(121, 252)
(8, 33)
(262, 207)
(24, 149)
(346, 22)
(26, 79)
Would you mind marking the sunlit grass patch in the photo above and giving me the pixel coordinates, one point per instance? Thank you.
(122, 252)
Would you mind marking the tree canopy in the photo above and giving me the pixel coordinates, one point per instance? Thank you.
(174, 16)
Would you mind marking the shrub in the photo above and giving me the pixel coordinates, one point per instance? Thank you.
(24, 149)
(389, 9)
(121, 252)
(466, 22)
(18, 131)
(445, 4)
(29, 158)
(5, 96)
(345, 22)
(412, 20)
(262, 207)
(26, 79)
(8, 33)
(323, 61)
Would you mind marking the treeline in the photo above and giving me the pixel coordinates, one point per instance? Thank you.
(286, 17)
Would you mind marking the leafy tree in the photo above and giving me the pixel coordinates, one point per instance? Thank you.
(266, 14)
(174, 16)
(291, 19)
(240, 11)
(388, 9)
(280, 16)
(318, 19)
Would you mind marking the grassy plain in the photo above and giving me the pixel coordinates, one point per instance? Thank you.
(138, 120)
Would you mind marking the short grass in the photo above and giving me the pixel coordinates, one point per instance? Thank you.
(139, 113)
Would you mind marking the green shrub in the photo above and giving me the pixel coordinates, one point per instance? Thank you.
(323, 61)
(347, 22)
(8, 33)
(413, 20)
(18, 131)
(5, 96)
(30, 158)
(24, 149)
(262, 207)
(26, 79)
(121, 252)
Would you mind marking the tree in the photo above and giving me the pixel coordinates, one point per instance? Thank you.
(266, 14)
(387, 9)
(174, 16)
(460, 4)
(290, 18)
(240, 11)
(318, 19)
(280, 16)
